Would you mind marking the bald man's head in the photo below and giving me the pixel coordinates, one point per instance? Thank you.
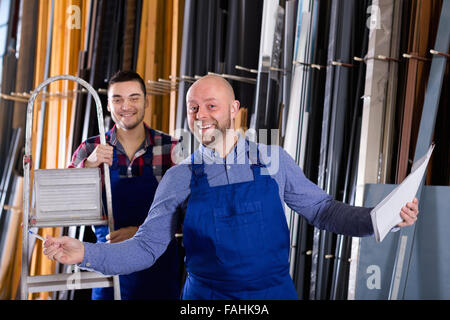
(216, 81)
(211, 108)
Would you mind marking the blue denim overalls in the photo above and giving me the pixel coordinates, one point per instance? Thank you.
(236, 240)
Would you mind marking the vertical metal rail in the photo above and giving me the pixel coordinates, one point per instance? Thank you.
(8, 169)
(343, 243)
(321, 180)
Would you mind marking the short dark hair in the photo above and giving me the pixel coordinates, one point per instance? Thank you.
(127, 75)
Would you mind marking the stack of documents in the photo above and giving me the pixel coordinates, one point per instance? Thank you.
(386, 214)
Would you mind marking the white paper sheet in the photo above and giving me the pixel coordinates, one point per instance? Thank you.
(386, 214)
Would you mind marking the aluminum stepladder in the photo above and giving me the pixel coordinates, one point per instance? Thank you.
(53, 206)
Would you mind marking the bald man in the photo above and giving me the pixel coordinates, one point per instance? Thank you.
(229, 196)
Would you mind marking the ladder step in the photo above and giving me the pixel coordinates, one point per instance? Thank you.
(68, 281)
(41, 223)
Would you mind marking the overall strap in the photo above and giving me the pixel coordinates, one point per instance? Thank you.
(115, 163)
(199, 178)
(256, 164)
(148, 158)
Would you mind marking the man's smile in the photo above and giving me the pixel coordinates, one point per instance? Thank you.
(202, 128)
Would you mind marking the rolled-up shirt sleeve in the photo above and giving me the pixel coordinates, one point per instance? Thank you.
(80, 155)
(152, 237)
(319, 208)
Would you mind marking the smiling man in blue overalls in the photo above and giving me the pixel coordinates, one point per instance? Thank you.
(138, 157)
(230, 195)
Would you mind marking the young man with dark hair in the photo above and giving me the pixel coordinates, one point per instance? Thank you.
(138, 157)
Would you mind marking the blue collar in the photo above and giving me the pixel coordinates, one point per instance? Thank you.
(242, 153)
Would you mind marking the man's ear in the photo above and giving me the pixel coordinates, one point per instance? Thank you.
(234, 108)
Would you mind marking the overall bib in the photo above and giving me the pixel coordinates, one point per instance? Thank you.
(131, 200)
(236, 240)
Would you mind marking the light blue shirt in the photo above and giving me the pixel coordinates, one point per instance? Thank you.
(171, 198)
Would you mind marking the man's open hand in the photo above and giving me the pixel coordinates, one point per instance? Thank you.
(65, 250)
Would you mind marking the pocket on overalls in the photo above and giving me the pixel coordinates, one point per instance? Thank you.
(239, 233)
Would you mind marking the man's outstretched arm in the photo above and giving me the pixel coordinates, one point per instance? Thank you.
(139, 252)
(306, 198)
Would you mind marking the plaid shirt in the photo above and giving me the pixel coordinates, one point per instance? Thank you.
(161, 144)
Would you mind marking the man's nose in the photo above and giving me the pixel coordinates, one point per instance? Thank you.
(126, 104)
(201, 113)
